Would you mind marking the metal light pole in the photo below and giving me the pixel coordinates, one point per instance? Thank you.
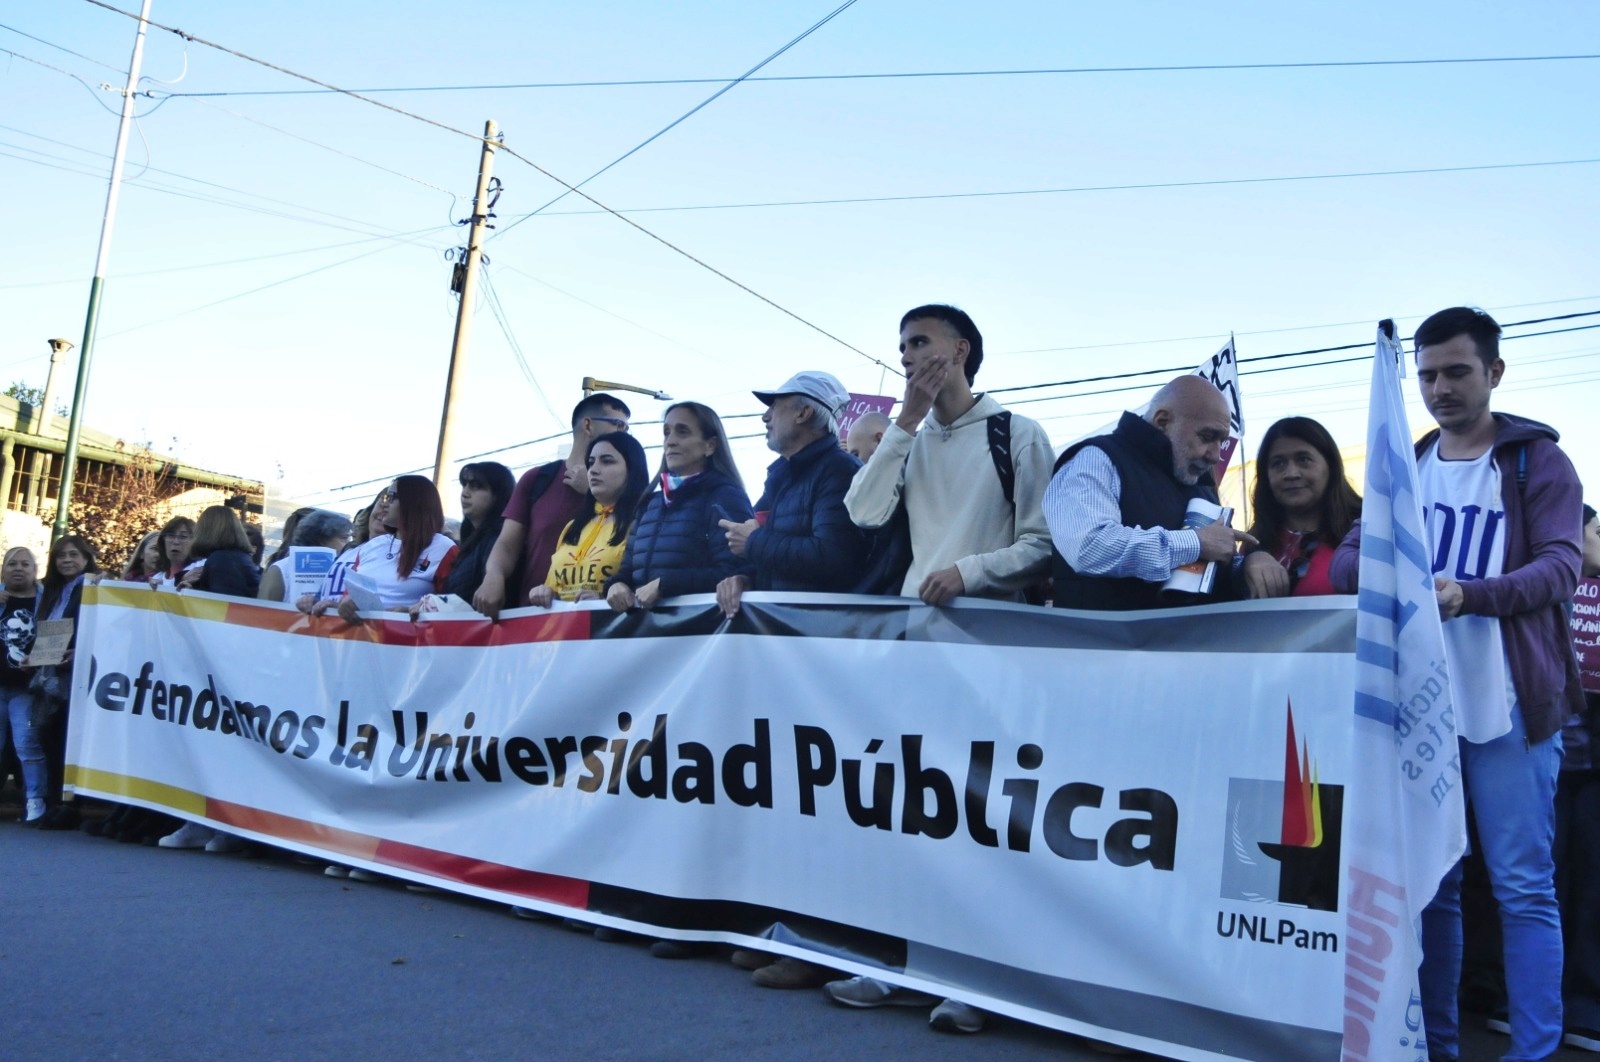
(69, 459)
(47, 402)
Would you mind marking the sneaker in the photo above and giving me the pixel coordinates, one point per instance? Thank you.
(528, 914)
(357, 874)
(792, 973)
(189, 835)
(750, 959)
(951, 1016)
(870, 992)
(1498, 1022)
(35, 810)
(607, 935)
(1582, 1039)
(225, 843)
(334, 870)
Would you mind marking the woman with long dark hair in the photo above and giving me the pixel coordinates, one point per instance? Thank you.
(72, 561)
(677, 545)
(591, 547)
(145, 561)
(1303, 507)
(411, 559)
(486, 487)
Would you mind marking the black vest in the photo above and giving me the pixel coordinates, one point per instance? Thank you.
(1151, 497)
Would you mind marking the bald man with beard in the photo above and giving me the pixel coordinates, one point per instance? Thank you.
(1116, 503)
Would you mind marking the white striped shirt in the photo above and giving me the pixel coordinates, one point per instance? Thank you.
(1083, 507)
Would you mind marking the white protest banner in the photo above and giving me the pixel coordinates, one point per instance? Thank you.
(1126, 826)
(1408, 823)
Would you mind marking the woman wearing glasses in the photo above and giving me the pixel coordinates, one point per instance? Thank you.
(176, 538)
(411, 559)
(1303, 506)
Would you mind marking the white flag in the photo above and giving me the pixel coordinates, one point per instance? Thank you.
(1407, 825)
(1222, 369)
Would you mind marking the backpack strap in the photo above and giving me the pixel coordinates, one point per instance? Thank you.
(1000, 452)
(543, 479)
(1522, 469)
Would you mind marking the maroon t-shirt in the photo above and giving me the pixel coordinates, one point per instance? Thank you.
(542, 519)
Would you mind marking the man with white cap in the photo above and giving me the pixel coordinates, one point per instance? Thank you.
(802, 538)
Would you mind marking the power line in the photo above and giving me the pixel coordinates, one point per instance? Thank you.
(49, 44)
(898, 75)
(1290, 354)
(1074, 189)
(331, 148)
(492, 297)
(1270, 331)
(252, 291)
(477, 138)
(230, 261)
(690, 113)
(152, 186)
(1046, 398)
(609, 313)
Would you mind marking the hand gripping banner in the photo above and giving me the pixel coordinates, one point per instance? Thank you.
(1127, 825)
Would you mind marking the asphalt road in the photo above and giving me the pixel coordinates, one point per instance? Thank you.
(116, 951)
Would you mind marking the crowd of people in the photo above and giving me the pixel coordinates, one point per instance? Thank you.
(958, 496)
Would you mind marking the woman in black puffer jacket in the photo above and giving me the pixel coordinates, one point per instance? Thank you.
(677, 546)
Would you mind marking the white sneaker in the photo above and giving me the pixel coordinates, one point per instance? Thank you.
(336, 871)
(35, 810)
(870, 992)
(955, 1016)
(225, 843)
(189, 835)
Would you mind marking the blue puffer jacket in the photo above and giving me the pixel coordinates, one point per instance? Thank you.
(808, 541)
(681, 544)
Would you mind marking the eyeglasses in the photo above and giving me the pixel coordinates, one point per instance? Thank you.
(390, 495)
(616, 422)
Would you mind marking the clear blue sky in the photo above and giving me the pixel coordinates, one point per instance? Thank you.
(337, 376)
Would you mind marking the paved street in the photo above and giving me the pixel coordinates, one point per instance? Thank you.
(116, 951)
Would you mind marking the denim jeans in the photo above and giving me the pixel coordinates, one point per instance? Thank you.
(14, 707)
(1511, 788)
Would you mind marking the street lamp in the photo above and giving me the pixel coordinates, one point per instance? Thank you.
(591, 385)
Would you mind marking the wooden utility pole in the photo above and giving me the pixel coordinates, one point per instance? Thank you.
(468, 287)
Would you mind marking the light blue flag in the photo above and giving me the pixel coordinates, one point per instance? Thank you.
(1407, 823)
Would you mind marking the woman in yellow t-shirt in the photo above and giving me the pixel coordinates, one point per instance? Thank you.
(589, 550)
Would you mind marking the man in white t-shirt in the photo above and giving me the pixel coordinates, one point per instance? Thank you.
(1504, 514)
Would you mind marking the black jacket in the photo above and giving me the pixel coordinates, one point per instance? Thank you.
(808, 541)
(681, 544)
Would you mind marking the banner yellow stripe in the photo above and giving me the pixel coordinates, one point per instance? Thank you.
(182, 801)
(178, 604)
